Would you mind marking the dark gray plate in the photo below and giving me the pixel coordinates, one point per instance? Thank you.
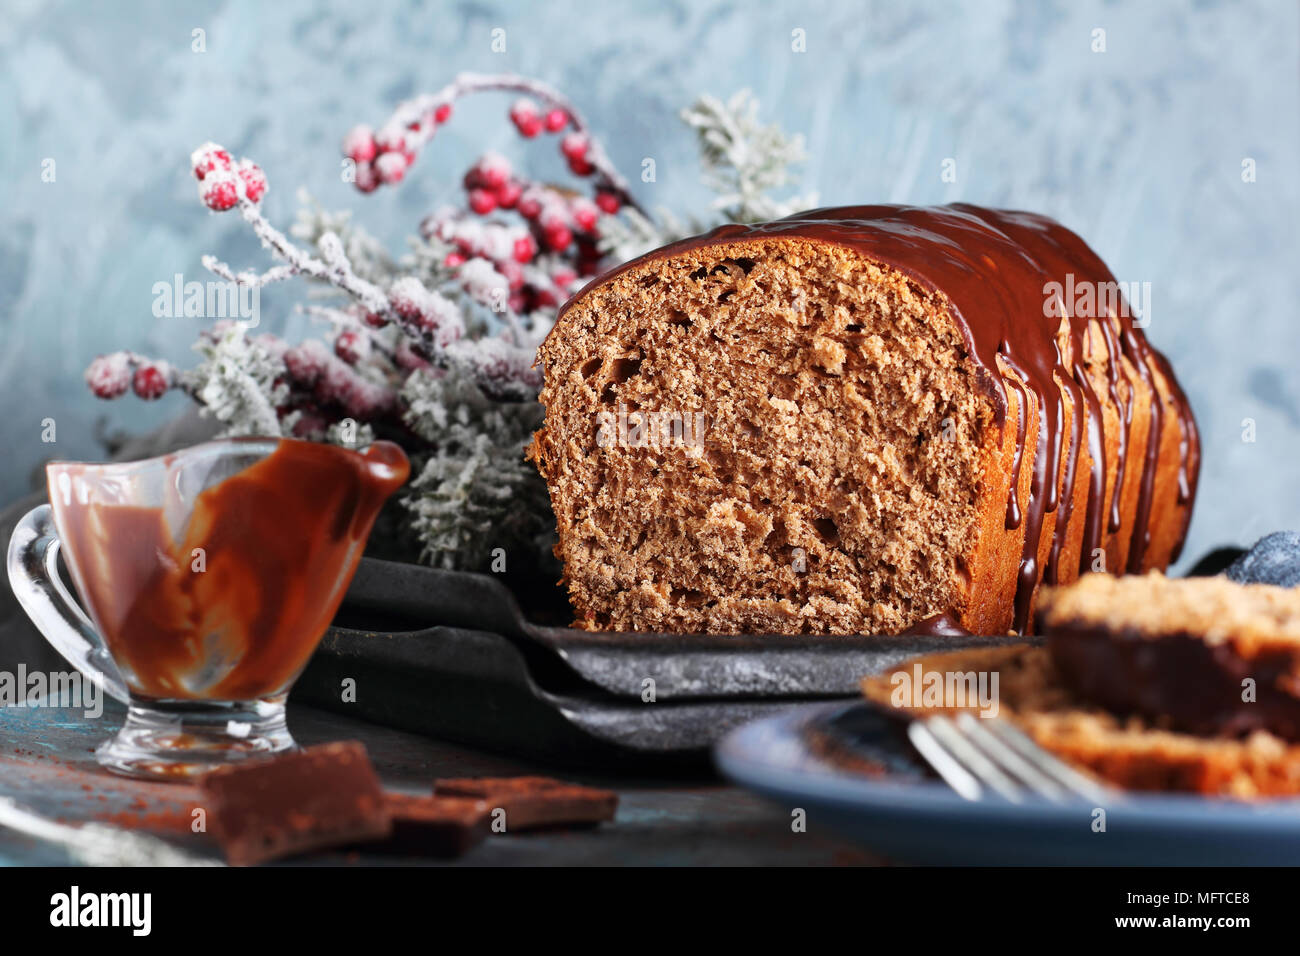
(452, 655)
(682, 666)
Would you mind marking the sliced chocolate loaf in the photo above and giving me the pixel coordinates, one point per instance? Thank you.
(855, 420)
(1201, 655)
(1132, 752)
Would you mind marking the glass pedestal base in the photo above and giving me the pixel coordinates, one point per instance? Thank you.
(172, 739)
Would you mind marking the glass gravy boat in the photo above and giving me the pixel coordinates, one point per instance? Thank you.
(209, 577)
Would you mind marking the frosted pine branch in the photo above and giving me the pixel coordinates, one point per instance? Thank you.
(474, 492)
(743, 161)
(237, 381)
(369, 258)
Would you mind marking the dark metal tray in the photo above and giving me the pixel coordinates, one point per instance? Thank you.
(451, 654)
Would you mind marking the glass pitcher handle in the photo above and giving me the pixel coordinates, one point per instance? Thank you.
(34, 577)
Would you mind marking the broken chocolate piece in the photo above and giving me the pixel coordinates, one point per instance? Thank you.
(533, 802)
(310, 799)
(434, 826)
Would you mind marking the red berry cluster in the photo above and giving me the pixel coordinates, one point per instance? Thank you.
(109, 376)
(384, 156)
(558, 222)
(575, 146)
(529, 121)
(560, 234)
(427, 313)
(352, 346)
(321, 383)
(511, 254)
(220, 177)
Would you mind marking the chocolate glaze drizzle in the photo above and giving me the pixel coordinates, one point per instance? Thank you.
(993, 267)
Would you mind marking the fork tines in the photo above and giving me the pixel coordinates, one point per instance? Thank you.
(974, 755)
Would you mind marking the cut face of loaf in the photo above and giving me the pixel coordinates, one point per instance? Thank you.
(851, 422)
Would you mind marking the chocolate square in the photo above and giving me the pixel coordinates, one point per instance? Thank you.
(310, 799)
(534, 802)
(434, 826)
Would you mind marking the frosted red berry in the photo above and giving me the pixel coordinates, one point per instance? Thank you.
(391, 139)
(525, 249)
(442, 113)
(493, 171)
(391, 167)
(209, 157)
(584, 215)
(556, 120)
(530, 208)
(580, 166)
(367, 180)
(574, 146)
(482, 201)
(218, 193)
(454, 260)
(351, 346)
(149, 382)
(304, 362)
(254, 180)
(508, 194)
(359, 144)
(526, 119)
(558, 238)
(109, 376)
(608, 202)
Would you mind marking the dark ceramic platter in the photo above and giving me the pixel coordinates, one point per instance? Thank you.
(451, 654)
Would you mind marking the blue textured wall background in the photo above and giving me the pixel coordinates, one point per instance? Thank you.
(1139, 148)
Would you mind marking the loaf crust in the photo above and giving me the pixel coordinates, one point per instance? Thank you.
(832, 354)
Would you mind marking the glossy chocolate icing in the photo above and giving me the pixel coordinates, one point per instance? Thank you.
(993, 267)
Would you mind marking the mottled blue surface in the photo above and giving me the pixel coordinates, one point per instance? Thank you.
(1139, 148)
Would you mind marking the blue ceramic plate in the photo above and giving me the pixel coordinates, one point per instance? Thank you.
(848, 768)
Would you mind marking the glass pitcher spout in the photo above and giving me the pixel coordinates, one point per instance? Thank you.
(388, 465)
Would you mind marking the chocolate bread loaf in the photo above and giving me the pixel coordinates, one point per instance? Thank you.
(857, 420)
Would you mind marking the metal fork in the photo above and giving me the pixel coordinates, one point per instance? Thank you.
(974, 755)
